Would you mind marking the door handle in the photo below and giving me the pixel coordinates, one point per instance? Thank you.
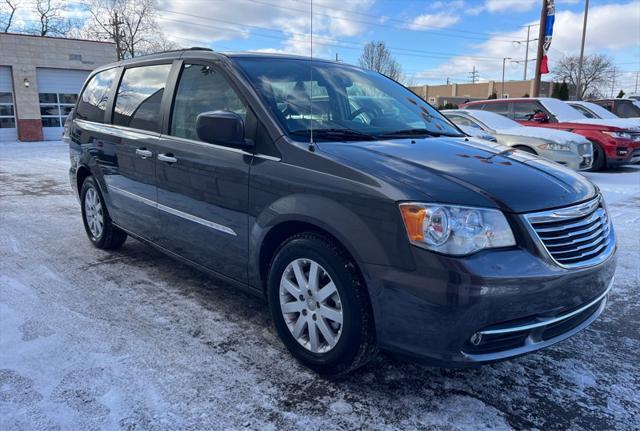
(144, 153)
(168, 158)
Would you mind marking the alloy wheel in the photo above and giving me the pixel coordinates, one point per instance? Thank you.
(93, 212)
(311, 306)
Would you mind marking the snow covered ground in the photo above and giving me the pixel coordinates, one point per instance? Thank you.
(135, 340)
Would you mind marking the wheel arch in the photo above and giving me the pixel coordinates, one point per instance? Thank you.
(294, 214)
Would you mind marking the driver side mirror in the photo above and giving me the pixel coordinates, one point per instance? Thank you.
(540, 117)
(223, 128)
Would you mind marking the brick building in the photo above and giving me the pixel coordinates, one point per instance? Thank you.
(440, 95)
(40, 78)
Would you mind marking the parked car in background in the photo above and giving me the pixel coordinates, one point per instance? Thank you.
(569, 149)
(391, 230)
(623, 108)
(615, 141)
(593, 110)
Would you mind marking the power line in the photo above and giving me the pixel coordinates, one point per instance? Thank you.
(330, 41)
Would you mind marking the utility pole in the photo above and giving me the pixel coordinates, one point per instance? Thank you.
(584, 33)
(447, 80)
(613, 80)
(637, 75)
(502, 89)
(543, 24)
(115, 24)
(526, 54)
(474, 75)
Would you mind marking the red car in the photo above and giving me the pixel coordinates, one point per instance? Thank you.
(615, 142)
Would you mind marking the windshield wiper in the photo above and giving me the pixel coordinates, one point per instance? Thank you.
(416, 132)
(335, 134)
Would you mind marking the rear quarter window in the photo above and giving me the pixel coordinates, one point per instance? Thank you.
(94, 98)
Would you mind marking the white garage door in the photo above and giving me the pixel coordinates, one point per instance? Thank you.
(58, 90)
(7, 109)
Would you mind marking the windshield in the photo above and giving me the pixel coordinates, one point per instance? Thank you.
(341, 102)
(493, 120)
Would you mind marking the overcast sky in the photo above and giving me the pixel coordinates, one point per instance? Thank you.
(432, 40)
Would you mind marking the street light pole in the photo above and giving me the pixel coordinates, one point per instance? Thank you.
(584, 33)
(503, 62)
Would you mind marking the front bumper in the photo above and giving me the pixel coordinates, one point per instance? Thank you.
(437, 312)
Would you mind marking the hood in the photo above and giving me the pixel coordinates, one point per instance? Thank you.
(622, 123)
(543, 133)
(467, 172)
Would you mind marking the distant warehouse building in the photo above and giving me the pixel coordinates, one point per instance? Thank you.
(455, 94)
(40, 78)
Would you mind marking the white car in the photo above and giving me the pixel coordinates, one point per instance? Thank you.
(565, 148)
(593, 110)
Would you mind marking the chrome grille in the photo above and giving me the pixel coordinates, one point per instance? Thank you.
(574, 236)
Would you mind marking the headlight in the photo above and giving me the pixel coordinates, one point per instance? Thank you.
(620, 135)
(455, 230)
(555, 146)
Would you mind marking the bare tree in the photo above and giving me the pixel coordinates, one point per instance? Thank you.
(7, 11)
(595, 72)
(376, 56)
(130, 24)
(51, 18)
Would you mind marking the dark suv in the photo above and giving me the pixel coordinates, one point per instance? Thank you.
(365, 217)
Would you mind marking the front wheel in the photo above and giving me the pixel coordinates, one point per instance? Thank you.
(97, 223)
(320, 306)
(599, 159)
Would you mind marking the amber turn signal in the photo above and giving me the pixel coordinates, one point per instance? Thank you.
(413, 217)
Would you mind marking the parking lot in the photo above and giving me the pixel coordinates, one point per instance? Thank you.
(135, 340)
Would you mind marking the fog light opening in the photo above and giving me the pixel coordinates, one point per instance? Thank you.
(476, 339)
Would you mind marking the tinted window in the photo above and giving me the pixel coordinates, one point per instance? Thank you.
(498, 108)
(626, 109)
(201, 89)
(139, 97)
(93, 101)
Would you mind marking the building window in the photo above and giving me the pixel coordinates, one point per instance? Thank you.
(54, 108)
(7, 114)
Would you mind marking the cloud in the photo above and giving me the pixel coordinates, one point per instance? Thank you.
(611, 28)
(433, 21)
(282, 26)
(497, 6)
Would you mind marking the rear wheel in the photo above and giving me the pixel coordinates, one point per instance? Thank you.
(319, 305)
(97, 223)
(599, 159)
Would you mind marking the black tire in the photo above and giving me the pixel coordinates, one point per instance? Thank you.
(356, 345)
(599, 159)
(111, 237)
(525, 149)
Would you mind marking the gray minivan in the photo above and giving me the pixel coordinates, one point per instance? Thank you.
(364, 217)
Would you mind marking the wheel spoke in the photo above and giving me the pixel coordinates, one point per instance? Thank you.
(313, 336)
(290, 287)
(299, 326)
(330, 313)
(300, 279)
(293, 307)
(327, 333)
(326, 292)
(313, 277)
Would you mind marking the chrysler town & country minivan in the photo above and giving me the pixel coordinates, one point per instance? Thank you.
(364, 217)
